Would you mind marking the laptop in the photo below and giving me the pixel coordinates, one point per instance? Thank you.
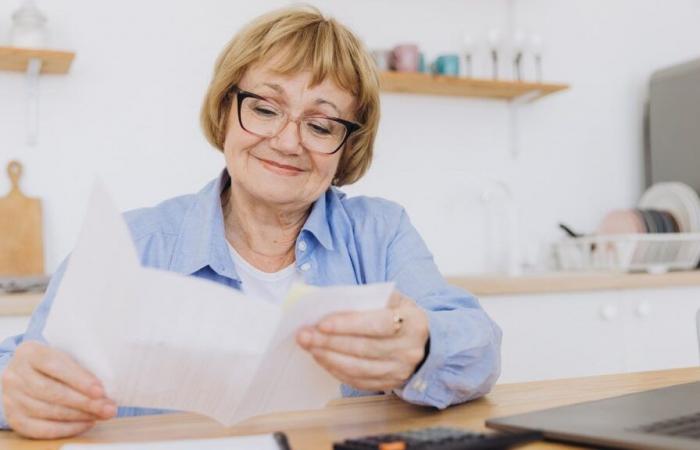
(666, 418)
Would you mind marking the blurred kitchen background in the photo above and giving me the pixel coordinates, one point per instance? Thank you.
(128, 111)
(487, 182)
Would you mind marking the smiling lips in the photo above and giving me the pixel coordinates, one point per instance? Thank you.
(280, 168)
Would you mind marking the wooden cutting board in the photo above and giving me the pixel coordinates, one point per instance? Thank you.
(21, 237)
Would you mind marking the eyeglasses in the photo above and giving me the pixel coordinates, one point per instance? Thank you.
(319, 134)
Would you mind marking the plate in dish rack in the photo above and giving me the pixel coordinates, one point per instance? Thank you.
(679, 199)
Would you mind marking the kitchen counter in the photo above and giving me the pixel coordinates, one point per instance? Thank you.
(21, 304)
(480, 285)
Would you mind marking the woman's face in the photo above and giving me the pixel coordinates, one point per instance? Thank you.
(279, 169)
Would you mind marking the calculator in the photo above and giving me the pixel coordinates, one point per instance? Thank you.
(439, 438)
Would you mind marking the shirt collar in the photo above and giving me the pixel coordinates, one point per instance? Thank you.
(202, 240)
(318, 222)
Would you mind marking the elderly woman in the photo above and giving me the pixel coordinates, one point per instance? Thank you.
(294, 108)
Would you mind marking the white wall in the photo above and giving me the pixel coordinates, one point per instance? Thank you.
(128, 111)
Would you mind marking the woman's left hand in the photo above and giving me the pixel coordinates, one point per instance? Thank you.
(371, 350)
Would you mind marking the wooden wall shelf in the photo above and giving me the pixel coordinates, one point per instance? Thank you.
(422, 83)
(52, 61)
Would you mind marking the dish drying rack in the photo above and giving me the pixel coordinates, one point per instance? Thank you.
(652, 253)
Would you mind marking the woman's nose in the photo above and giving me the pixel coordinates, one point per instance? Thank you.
(288, 140)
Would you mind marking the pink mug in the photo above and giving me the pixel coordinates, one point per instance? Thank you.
(405, 58)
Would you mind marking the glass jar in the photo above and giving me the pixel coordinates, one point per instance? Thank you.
(29, 27)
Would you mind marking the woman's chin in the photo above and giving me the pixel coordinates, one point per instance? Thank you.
(281, 193)
(273, 188)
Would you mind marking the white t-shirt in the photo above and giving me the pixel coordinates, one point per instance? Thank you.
(271, 287)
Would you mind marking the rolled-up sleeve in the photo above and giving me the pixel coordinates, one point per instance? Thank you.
(33, 333)
(463, 361)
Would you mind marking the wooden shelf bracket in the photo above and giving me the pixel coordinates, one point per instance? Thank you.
(34, 62)
(33, 71)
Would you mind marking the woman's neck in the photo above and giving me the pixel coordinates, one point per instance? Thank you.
(263, 234)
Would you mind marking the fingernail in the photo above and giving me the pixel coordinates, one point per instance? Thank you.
(326, 326)
(96, 390)
(305, 338)
(109, 410)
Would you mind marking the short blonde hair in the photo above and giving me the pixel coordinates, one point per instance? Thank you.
(315, 43)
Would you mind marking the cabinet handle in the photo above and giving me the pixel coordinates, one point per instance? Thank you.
(608, 312)
(644, 310)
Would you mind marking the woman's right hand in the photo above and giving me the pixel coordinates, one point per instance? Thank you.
(47, 395)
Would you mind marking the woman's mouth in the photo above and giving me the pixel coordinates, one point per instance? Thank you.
(278, 168)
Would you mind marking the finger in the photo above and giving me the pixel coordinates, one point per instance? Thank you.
(62, 367)
(304, 336)
(49, 390)
(39, 409)
(365, 384)
(354, 367)
(395, 300)
(48, 429)
(360, 346)
(377, 323)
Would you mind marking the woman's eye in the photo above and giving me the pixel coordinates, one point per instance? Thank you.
(319, 129)
(264, 111)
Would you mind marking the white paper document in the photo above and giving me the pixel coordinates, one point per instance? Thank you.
(158, 339)
(258, 442)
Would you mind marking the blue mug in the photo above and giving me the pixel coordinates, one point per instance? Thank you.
(447, 64)
(422, 67)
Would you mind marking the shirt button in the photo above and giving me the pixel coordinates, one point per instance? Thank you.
(305, 267)
(302, 246)
(417, 385)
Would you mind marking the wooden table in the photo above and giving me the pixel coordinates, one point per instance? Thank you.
(344, 418)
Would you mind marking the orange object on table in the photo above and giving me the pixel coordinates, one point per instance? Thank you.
(393, 446)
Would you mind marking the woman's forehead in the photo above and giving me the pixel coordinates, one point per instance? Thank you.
(295, 85)
(268, 73)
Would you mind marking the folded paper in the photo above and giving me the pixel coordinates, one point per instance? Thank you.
(158, 339)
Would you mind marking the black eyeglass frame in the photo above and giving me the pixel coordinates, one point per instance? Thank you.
(350, 127)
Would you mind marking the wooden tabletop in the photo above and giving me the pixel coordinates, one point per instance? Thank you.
(310, 430)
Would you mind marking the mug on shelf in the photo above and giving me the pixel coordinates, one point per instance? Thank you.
(447, 65)
(422, 65)
(405, 58)
(382, 58)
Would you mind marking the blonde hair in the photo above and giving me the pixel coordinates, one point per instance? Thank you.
(315, 43)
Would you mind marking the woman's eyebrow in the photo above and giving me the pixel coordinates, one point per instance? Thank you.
(319, 101)
(276, 87)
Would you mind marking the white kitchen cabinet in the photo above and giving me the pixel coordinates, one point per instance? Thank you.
(660, 330)
(12, 325)
(15, 312)
(559, 335)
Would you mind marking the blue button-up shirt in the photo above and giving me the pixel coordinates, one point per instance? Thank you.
(344, 241)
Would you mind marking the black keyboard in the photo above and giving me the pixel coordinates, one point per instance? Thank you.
(439, 439)
(684, 426)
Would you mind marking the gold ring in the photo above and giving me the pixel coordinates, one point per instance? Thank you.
(398, 321)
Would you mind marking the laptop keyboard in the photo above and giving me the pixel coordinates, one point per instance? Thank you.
(684, 426)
